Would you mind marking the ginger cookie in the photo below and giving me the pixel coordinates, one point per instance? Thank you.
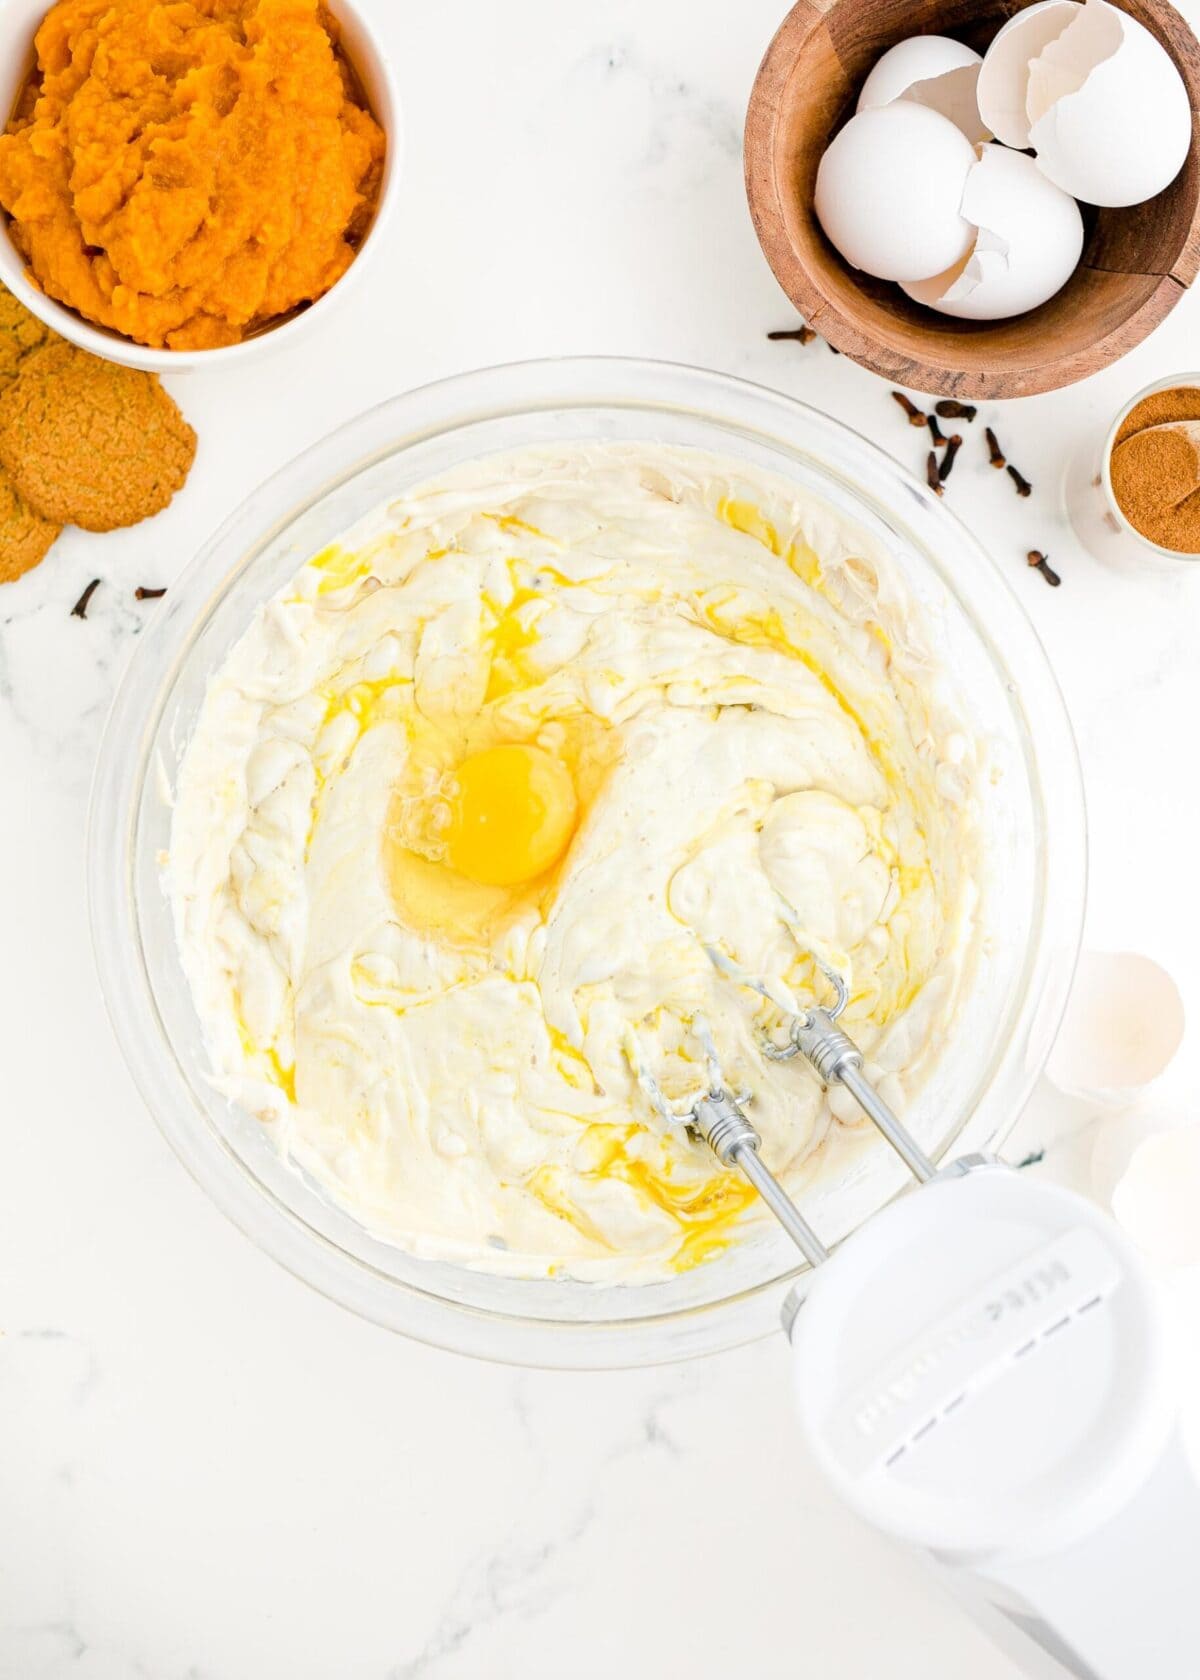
(20, 333)
(24, 535)
(89, 443)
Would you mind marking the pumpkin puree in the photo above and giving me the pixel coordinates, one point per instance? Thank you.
(184, 170)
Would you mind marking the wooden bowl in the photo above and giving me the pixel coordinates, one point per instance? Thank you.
(1136, 264)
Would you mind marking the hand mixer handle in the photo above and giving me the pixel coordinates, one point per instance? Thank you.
(1118, 1605)
(981, 1371)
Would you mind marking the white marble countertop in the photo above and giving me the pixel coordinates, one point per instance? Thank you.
(209, 1473)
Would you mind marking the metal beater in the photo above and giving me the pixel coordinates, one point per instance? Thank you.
(718, 1115)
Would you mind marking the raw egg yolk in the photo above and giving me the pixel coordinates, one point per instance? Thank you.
(512, 815)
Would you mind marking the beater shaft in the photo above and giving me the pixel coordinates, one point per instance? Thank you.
(838, 1060)
(735, 1143)
(876, 1110)
(782, 1206)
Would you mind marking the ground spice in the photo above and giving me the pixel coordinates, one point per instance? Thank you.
(1181, 402)
(1155, 474)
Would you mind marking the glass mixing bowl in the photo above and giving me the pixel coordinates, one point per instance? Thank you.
(1033, 818)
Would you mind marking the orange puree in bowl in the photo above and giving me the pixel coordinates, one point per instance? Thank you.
(185, 170)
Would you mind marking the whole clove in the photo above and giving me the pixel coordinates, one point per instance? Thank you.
(933, 476)
(802, 334)
(141, 593)
(936, 432)
(953, 445)
(80, 609)
(1024, 488)
(951, 410)
(1040, 563)
(993, 443)
(915, 416)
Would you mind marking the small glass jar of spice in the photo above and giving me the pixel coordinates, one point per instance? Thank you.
(1139, 497)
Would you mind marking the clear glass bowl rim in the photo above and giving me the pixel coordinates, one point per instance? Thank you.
(504, 392)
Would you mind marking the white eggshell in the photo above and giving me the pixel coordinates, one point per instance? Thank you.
(1029, 243)
(1117, 1136)
(1110, 117)
(1123, 1025)
(929, 70)
(1157, 1197)
(889, 189)
(1003, 84)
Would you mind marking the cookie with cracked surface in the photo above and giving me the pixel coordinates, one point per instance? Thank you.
(24, 535)
(20, 334)
(89, 443)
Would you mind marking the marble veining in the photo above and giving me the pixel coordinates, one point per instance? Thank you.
(206, 1471)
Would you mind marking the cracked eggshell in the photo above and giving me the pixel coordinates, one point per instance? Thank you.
(930, 70)
(1029, 242)
(1003, 85)
(1116, 1137)
(889, 189)
(1157, 1196)
(1109, 114)
(1123, 1025)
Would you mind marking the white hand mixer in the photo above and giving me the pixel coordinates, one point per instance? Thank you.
(981, 1372)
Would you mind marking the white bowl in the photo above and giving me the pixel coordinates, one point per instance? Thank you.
(19, 20)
